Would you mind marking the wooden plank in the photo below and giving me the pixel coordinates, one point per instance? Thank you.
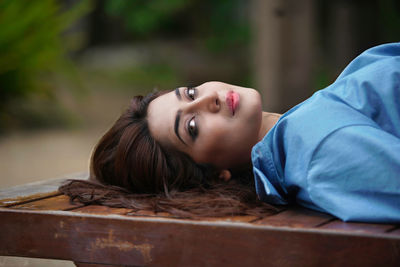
(357, 227)
(8, 202)
(210, 219)
(97, 209)
(395, 232)
(146, 213)
(243, 219)
(33, 191)
(296, 217)
(81, 264)
(123, 240)
(104, 210)
(60, 202)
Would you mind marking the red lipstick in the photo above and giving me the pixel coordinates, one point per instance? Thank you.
(232, 100)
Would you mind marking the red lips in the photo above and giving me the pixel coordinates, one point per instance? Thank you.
(232, 100)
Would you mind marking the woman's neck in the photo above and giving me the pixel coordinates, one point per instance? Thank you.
(268, 121)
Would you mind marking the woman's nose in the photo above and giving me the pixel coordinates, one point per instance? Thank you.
(208, 102)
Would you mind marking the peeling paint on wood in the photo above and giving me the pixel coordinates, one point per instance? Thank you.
(125, 246)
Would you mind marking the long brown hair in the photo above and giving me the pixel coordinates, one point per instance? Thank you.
(130, 169)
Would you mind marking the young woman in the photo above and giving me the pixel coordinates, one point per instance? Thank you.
(189, 150)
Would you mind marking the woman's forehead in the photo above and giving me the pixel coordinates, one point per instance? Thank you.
(160, 116)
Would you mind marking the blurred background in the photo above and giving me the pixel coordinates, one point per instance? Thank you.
(68, 68)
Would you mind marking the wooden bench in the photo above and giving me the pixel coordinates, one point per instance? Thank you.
(37, 221)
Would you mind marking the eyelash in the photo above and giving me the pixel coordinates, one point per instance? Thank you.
(191, 93)
(188, 89)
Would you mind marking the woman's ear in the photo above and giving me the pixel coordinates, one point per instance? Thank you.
(225, 175)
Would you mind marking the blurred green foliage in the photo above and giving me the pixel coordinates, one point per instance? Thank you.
(227, 25)
(140, 79)
(155, 75)
(143, 17)
(389, 14)
(32, 45)
(218, 25)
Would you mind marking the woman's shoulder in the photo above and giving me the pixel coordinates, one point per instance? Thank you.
(292, 141)
(316, 118)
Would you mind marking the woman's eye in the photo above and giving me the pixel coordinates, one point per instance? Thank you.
(191, 92)
(192, 129)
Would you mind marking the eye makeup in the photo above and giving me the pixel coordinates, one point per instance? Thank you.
(192, 129)
(191, 124)
(191, 92)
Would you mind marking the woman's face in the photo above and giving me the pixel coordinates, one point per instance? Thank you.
(214, 123)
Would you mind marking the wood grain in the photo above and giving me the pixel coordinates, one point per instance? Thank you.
(357, 227)
(162, 242)
(395, 232)
(97, 209)
(146, 213)
(243, 219)
(296, 217)
(60, 202)
(33, 191)
(82, 264)
(9, 202)
(35, 224)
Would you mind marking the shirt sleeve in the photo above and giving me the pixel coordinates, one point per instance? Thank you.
(354, 174)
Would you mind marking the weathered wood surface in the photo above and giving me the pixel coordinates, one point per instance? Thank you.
(358, 227)
(97, 209)
(59, 202)
(164, 242)
(396, 232)
(52, 227)
(33, 191)
(296, 217)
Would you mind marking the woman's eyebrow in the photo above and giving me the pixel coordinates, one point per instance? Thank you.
(176, 127)
(178, 93)
(178, 117)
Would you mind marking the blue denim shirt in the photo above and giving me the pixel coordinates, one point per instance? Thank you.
(339, 151)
